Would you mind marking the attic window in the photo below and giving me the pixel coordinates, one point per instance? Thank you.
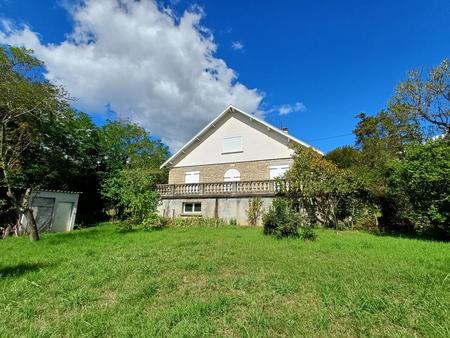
(232, 145)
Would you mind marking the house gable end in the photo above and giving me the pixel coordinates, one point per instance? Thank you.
(234, 136)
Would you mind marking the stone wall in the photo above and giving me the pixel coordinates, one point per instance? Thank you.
(250, 171)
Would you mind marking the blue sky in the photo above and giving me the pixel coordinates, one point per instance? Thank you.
(337, 58)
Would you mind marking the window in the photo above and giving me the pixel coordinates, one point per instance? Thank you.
(232, 175)
(191, 208)
(232, 145)
(192, 177)
(277, 171)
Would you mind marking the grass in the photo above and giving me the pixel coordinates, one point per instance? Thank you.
(222, 282)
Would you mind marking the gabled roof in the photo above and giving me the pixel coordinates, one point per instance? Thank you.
(232, 109)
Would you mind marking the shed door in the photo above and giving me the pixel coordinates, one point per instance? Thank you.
(63, 216)
(43, 211)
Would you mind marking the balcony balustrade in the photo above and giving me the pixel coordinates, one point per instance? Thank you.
(223, 189)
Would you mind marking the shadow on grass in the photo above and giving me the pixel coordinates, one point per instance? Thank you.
(426, 237)
(64, 238)
(21, 269)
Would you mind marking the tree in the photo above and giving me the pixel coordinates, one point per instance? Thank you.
(384, 136)
(127, 150)
(319, 184)
(26, 102)
(133, 190)
(428, 98)
(344, 157)
(422, 180)
(126, 144)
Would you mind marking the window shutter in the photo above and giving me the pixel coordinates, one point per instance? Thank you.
(232, 144)
(277, 171)
(192, 177)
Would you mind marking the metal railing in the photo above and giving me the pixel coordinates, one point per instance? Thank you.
(267, 187)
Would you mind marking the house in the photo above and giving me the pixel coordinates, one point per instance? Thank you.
(234, 158)
(53, 210)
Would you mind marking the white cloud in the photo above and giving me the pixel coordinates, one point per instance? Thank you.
(237, 45)
(148, 65)
(286, 109)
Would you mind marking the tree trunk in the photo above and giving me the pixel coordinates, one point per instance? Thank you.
(7, 231)
(28, 213)
(31, 224)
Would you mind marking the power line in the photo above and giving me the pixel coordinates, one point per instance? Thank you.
(328, 138)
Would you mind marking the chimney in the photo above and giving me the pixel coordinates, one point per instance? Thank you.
(285, 130)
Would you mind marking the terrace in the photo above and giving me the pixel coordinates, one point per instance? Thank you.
(222, 189)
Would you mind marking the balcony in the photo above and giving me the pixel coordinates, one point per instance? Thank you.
(222, 189)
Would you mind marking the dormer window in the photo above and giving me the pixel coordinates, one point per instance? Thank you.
(232, 145)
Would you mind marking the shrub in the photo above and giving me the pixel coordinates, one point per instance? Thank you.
(282, 221)
(154, 222)
(276, 215)
(233, 222)
(307, 233)
(125, 226)
(420, 181)
(254, 210)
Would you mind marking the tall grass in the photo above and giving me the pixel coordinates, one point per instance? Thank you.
(224, 281)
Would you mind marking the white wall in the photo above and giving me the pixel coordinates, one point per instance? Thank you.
(227, 208)
(258, 143)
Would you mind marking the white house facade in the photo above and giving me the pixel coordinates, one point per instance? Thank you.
(234, 158)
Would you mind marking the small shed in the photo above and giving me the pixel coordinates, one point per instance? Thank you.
(53, 210)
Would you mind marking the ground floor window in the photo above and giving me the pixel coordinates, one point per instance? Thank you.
(192, 207)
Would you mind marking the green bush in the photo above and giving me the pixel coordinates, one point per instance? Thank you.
(125, 226)
(282, 221)
(133, 191)
(421, 181)
(275, 216)
(233, 222)
(154, 222)
(307, 233)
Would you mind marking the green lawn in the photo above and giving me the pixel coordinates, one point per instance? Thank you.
(222, 282)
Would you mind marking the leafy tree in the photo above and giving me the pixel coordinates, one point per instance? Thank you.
(384, 136)
(133, 190)
(26, 103)
(45, 144)
(319, 184)
(127, 153)
(126, 144)
(428, 98)
(344, 157)
(421, 180)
